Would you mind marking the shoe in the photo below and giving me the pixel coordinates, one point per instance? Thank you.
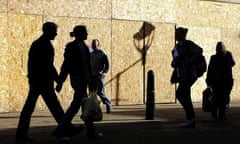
(25, 139)
(108, 108)
(189, 124)
(95, 136)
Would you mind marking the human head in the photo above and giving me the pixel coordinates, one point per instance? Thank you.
(181, 33)
(49, 30)
(95, 44)
(220, 47)
(79, 32)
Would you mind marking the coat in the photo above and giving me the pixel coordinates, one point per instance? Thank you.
(184, 55)
(41, 68)
(76, 61)
(219, 74)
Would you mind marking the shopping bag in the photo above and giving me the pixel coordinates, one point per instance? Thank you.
(207, 100)
(91, 109)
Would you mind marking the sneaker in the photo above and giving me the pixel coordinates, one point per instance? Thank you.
(25, 139)
(189, 124)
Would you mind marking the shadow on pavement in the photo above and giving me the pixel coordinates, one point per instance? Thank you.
(129, 127)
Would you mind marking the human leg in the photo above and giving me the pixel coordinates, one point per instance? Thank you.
(91, 132)
(184, 97)
(214, 108)
(222, 111)
(26, 113)
(80, 91)
(183, 94)
(102, 95)
(228, 87)
(52, 102)
(222, 104)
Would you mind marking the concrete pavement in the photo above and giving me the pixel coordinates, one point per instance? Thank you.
(127, 125)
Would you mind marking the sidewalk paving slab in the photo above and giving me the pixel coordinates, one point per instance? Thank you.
(127, 125)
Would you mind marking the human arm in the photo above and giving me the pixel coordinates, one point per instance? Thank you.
(106, 64)
(64, 71)
(230, 59)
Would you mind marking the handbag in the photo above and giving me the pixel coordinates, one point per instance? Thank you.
(91, 109)
(207, 100)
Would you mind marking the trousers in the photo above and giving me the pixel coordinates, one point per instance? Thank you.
(49, 96)
(183, 94)
(79, 86)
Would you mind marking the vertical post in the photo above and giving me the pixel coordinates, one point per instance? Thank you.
(150, 104)
(175, 43)
(144, 63)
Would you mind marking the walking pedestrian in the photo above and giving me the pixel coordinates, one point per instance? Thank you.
(76, 64)
(99, 67)
(184, 55)
(220, 79)
(41, 77)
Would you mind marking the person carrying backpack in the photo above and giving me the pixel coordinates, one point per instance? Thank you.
(186, 58)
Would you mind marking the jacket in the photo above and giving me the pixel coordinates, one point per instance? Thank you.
(184, 55)
(41, 62)
(76, 61)
(219, 72)
(99, 62)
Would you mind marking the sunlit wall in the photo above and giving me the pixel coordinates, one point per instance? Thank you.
(117, 24)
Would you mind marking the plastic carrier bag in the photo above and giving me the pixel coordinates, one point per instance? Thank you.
(91, 109)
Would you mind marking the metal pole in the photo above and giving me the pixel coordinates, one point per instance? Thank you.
(150, 104)
(143, 63)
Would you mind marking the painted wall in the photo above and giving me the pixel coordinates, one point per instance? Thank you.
(116, 23)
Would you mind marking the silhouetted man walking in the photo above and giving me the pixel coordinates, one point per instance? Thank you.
(41, 76)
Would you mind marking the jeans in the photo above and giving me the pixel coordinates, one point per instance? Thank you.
(50, 98)
(98, 85)
(79, 85)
